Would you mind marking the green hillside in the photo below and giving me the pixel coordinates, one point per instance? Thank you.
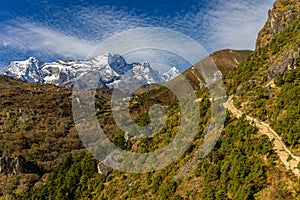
(273, 99)
(36, 123)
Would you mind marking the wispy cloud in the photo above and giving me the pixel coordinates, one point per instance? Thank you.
(157, 45)
(226, 24)
(30, 37)
(74, 31)
(73, 34)
(236, 23)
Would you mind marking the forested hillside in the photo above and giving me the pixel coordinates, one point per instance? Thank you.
(267, 84)
(37, 128)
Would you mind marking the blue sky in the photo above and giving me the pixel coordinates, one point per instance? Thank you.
(51, 30)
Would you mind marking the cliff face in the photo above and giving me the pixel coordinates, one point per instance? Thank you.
(18, 165)
(284, 12)
(288, 61)
(280, 35)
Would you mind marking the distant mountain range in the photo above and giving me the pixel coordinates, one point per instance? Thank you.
(112, 70)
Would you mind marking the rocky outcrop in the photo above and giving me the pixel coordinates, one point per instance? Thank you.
(289, 61)
(284, 12)
(102, 169)
(18, 165)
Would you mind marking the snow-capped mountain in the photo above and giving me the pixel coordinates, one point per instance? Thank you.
(28, 70)
(173, 72)
(113, 71)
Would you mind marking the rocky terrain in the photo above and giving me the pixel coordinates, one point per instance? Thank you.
(18, 165)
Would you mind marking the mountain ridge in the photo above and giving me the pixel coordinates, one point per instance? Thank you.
(111, 70)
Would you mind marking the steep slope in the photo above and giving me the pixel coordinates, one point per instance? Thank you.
(286, 156)
(36, 122)
(228, 59)
(223, 174)
(284, 12)
(267, 86)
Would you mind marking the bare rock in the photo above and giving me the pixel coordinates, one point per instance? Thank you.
(279, 18)
(289, 61)
(103, 169)
(18, 165)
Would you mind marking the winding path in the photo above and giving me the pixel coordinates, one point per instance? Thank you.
(283, 152)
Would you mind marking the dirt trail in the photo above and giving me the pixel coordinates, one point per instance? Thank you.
(283, 152)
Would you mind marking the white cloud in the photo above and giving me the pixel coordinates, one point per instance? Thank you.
(236, 23)
(30, 37)
(105, 21)
(68, 38)
(223, 24)
(5, 43)
(161, 46)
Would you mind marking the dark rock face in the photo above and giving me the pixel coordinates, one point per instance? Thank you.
(18, 165)
(280, 17)
(119, 64)
(288, 61)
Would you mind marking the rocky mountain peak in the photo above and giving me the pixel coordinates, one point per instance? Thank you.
(284, 12)
(28, 68)
(118, 63)
(109, 67)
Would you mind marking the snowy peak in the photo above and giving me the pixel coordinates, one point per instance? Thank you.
(173, 72)
(111, 70)
(144, 72)
(27, 70)
(118, 63)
